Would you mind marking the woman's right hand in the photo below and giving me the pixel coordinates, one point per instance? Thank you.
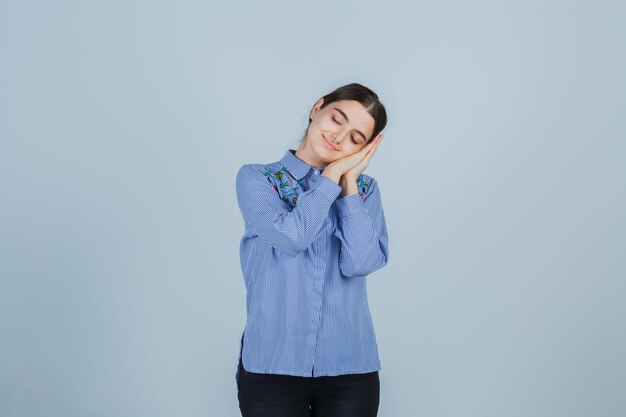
(337, 168)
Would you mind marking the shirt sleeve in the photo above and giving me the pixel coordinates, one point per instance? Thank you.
(362, 231)
(291, 230)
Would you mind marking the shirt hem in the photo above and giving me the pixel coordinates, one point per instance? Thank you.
(317, 373)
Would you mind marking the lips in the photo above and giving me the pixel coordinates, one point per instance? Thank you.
(328, 145)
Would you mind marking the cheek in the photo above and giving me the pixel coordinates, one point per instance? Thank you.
(327, 126)
(352, 148)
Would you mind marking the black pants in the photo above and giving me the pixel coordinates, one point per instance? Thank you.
(269, 395)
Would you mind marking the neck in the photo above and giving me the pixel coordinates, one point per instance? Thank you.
(305, 154)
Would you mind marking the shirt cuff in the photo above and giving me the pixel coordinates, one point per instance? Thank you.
(350, 204)
(328, 187)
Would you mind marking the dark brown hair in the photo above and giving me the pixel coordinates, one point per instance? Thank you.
(363, 95)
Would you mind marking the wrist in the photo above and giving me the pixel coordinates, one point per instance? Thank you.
(348, 186)
(348, 179)
(335, 176)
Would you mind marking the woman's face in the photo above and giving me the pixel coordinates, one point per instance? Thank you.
(338, 130)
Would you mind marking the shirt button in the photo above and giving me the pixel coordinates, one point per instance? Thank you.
(316, 172)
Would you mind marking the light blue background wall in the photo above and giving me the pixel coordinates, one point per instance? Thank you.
(122, 125)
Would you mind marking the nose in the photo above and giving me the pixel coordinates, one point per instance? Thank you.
(334, 137)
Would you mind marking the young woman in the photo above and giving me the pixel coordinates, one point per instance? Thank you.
(314, 230)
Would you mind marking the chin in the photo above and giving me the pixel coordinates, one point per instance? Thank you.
(327, 155)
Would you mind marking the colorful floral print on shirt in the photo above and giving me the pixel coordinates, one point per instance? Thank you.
(287, 187)
(362, 184)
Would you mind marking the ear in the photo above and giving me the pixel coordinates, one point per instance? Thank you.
(316, 108)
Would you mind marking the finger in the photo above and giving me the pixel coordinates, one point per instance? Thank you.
(362, 154)
(366, 159)
(369, 146)
(376, 140)
(375, 145)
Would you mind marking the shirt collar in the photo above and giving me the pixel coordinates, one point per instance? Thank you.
(296, 166)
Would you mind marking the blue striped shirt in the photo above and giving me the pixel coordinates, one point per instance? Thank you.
(305, 255)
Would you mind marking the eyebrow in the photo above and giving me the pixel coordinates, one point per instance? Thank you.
(348, 120)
